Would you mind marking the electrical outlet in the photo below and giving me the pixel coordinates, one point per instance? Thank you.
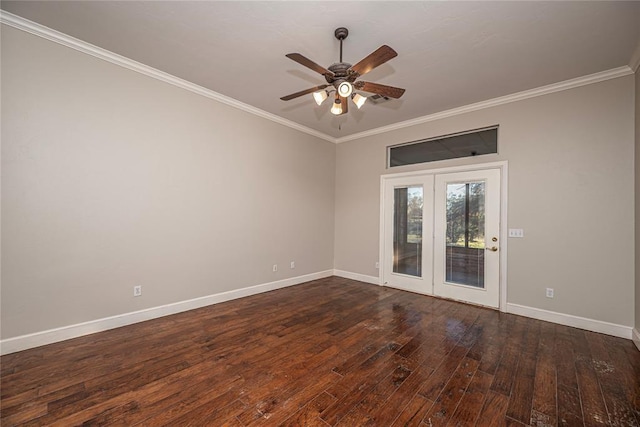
(275, 267)
(137, 291)
(293, 265)
(377, 264)
(549, 292)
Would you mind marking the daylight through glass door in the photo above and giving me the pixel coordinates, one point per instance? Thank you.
(407, 230)
(465, 248)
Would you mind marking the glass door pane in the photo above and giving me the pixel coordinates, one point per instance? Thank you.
(465, 248)
(407, 230)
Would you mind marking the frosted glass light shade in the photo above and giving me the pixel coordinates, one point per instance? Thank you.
(345, 89)
(320, 96)
(358, 99)
(337, 107)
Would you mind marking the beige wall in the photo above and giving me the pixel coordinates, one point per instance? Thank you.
(112, 179)
(637, 198)
(571, 174)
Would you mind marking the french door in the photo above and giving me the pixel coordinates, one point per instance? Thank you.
(408, 208)
(441, 235)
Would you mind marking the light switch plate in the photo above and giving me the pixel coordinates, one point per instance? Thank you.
(516, 232)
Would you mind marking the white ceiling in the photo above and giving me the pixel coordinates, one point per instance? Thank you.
(450, 54)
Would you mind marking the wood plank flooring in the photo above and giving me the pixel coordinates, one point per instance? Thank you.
(329, 352)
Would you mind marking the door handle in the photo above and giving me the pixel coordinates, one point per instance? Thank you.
(492, 249)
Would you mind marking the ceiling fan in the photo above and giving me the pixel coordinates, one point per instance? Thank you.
(343, 78)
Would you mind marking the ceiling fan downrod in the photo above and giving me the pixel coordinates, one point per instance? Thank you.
(341, 34)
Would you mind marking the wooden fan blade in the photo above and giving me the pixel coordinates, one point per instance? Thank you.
(376, 58)
(384, 90)
(344, 102)
(303, 60)
(303, 92)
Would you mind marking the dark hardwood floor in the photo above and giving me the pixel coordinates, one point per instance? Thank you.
(328, 352)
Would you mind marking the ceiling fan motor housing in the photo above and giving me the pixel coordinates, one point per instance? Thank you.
(340, 72)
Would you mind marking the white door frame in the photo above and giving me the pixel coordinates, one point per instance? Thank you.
(503, 167)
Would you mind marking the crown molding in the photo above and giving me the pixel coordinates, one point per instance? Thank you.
(23, 24)
(634, 62)
(34, 28)
(519, 96)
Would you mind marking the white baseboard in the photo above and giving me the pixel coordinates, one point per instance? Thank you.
(24, 342)
(357, 276)
(537, 313)
(570, 320)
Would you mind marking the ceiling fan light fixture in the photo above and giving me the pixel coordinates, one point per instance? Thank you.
(358, 99)
(345, 89)
(337, 107)
(342, 78)
(320, 96)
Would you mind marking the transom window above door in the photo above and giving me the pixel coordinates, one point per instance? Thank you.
(464, 144)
